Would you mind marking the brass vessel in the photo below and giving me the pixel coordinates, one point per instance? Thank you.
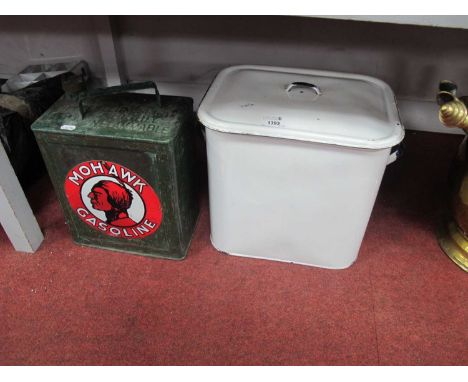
(453, 236)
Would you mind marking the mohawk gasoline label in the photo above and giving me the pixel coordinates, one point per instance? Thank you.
(113, 199)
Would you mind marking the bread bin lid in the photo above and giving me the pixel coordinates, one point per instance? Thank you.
(308, 105)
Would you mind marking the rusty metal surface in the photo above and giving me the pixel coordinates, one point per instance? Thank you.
(138, 145)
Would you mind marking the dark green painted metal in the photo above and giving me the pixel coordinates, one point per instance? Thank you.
(150, 134)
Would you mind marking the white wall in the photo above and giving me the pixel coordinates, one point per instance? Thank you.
(412, 59)
(27, 40)
(192, 49)
(184, 53)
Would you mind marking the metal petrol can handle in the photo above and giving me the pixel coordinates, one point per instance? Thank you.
(303, 85)
(117, 90)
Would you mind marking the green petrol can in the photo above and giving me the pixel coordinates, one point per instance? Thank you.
(122, 166)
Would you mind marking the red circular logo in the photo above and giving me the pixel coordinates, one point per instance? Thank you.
(113, 199)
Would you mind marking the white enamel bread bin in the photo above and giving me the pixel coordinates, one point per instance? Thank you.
(295, 161)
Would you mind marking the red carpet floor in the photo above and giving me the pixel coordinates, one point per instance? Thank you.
(402, 303)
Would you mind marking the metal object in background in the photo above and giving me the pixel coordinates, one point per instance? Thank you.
(37, 73)
(122, 166)
(20, 146)
(453, 237)
(21, 107)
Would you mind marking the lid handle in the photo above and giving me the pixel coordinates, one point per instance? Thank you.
(303, 85)
(117, 90)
